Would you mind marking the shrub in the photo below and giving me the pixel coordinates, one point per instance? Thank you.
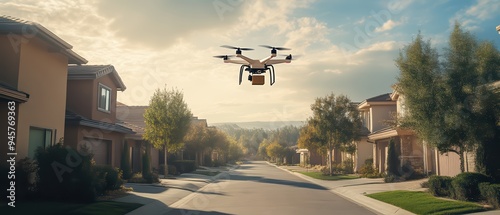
(491, 193)
(146, 166)
(107, 178)
(25, 178)
(348, 166)
(393, 163)
(440, 185)
(64, 174)
(184, 166)
(391, 178)
(368, 171)
(125, 161)
(172, 170)
(139, 178)
(466, 185)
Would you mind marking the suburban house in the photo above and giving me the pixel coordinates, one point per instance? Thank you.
(91, 112)
(310, 158)
(375, 113)
(133, 118)
(34, 70)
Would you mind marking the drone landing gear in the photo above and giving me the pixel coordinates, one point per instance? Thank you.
(272, 77)
(257, 73)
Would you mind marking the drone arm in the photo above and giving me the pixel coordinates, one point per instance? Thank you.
(245, 58)
(270, 62)
(265, 60)
(236, 62)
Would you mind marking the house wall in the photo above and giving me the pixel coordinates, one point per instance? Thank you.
(364, 150)
(378, 114)
(449, 164)
(43, 75)
(79, 97)
(82, 134)
(9, 62)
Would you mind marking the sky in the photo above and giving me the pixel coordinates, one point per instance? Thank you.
(345, 47)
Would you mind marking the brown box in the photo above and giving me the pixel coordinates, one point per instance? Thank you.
(258, 80)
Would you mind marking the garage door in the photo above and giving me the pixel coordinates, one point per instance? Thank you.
(101, 151)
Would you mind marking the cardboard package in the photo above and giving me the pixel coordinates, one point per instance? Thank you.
(258, 80)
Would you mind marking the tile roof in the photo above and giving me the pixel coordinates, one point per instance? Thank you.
(14, 25)
(82, 72)
(132, 117)
(380, 98)
(72, 117)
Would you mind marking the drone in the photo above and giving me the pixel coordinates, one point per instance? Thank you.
(256, 68)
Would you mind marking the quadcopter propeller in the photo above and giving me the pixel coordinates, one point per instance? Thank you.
(290, 57)
(225, 57)
(275, 48)
(237, 48)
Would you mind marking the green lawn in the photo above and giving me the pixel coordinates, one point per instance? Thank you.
(56, 208)
(319, 175)
(425, 203)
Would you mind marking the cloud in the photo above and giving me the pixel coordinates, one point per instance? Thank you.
(397, 6)
(484, 9)
(388, 25)
(159, 24)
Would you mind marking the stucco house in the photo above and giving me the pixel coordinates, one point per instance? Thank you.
(91, 112)
(34, 68)
(133, 118)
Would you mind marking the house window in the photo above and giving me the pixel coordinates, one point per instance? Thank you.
(104, 97)
(39, 137)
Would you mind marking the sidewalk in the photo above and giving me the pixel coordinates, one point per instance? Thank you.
(158, 197)
(355, 190)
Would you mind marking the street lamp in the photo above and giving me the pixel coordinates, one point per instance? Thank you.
(498, 29)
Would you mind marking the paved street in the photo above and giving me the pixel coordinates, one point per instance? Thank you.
(258, 188)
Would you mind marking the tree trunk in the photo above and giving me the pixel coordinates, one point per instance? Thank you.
(165, 166)
(462, 160)
(330, 157)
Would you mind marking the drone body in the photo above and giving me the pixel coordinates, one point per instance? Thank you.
(254, 67)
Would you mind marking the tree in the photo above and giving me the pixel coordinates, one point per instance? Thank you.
(336, 121)
(167, 120)
(450, 107)
(393, 163)
(275, 150)
(125, 161)
(197, 141)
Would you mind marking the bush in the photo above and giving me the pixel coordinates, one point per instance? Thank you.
(348, 166)
(440, 185)
(393, 163)
(107, 178)
(368, 171)
(25, 178)
(391, 178)
(466, 186)
(184, 166)
(491, 193)
(146, 166)
(172, 170)
(139, 178)
(125, 161)
(64, 174)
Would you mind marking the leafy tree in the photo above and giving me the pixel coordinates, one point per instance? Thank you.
(335, 120)
(393, 163)
(167, 120)
(275, 150)
(310, 140)
(197, 141)
(451, 107)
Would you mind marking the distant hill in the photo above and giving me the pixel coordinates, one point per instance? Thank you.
(258, 124)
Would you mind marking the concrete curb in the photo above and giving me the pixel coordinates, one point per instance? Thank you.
(158, 206)
(357, 198)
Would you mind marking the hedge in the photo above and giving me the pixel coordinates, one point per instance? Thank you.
(440, 185)
(491, 193)
(466, 186)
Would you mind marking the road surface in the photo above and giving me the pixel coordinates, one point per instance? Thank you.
(259, 188)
